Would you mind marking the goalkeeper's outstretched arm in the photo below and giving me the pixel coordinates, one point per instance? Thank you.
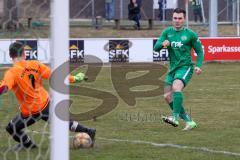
(46, 74)
(77, 78)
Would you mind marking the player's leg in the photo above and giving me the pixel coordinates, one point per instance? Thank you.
(74, 126)
(200, 14)
(168, 96)
(168, 89)
(16, 129)
(182, 78)
(177, 88)
(174, 84)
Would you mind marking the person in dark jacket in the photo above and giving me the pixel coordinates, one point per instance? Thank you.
(134, 8)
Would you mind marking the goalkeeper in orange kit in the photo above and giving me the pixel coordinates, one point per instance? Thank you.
(25, 79)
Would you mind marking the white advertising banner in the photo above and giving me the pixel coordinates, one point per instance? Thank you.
(97, 47)
(44, 50)
(4, 54)
(120, 49)
(141, 50)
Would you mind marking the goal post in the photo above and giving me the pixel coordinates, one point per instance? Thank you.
(59, 54)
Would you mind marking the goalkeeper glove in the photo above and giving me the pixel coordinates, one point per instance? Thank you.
(80, 77)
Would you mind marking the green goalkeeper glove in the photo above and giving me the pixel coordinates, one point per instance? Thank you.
(80, 77)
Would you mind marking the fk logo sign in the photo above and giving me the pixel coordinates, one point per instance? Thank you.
(30, 48)
(31, 54)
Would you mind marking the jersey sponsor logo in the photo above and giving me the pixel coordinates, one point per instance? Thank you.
(162, 55)
(175, 44)
(30, 49)
(118, 51)
(76, 51)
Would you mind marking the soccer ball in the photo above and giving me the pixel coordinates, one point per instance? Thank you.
(82, 140)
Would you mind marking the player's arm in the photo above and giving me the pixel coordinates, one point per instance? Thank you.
(77, 78)
(46, 73)
(7, 82)
(198, 49)
(3, 88)
(197, 46)
(162, 42)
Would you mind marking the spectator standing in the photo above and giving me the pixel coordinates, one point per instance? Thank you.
(109, 9)
(161, 8)
(197, 10)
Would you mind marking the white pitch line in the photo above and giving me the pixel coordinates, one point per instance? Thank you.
(163, 145)
(204, 149)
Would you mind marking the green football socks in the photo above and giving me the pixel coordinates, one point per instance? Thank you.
(177, 104)
(177, 107)
(183, 115)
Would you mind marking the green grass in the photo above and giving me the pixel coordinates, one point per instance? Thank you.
(212, 98)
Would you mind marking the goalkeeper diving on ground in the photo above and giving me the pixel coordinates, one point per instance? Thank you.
(25, 79)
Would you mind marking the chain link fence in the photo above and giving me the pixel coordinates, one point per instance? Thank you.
(25, 14)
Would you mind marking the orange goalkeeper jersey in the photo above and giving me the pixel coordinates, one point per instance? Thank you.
(25, 80)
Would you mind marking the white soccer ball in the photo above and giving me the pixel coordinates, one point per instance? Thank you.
(82, 140)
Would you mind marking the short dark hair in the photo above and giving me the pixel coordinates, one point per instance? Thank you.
(16, 49)
(180, 10)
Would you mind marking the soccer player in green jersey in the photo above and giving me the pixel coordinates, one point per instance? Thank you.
(179, 41)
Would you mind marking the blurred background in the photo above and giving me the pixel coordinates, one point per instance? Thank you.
(27, 15)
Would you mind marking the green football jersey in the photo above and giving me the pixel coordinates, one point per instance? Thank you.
(181, 43)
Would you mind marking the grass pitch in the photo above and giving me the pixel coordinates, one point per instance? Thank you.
(137, 132)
